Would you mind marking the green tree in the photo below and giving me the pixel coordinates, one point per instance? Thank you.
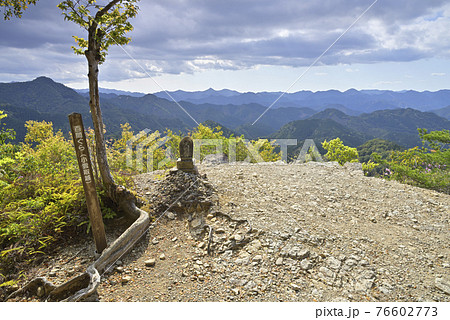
(437, 140)
(337, 151)
(380, 146)
(423, 167)
(15, 7)
(106, 25)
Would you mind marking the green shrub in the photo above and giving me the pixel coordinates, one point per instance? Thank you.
(337, 151)
(380, 146)
(369, 166)
(423, 167)
(40, 196)
(252, 151)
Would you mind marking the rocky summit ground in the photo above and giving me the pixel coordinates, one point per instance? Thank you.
(280, 232)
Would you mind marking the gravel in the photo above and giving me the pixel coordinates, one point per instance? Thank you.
(297, 232)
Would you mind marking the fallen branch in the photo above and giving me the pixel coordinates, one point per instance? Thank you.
(86, 284)
(75, 255)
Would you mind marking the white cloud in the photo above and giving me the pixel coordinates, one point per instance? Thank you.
(291, 33)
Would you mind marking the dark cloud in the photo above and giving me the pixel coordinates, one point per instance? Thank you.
(281, 32)
(41, 24)
(176, 36)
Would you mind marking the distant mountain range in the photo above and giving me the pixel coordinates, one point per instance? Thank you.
(354, 116)
(111, 92)
(444, 112)
(352, 101)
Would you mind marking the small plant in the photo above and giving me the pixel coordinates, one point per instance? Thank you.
(313, 154)
(5, 134)
(369, 166)
(337, 151)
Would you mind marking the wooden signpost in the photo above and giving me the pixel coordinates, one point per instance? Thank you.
(87, 177)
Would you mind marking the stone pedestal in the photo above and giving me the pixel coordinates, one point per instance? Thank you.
(186, 166)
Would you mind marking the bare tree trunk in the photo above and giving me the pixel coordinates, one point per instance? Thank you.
(119, 195)
(93, 58)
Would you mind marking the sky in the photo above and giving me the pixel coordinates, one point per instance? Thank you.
(245, 45)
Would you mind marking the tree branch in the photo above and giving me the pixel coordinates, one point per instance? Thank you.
(79, 16)
(106, 9)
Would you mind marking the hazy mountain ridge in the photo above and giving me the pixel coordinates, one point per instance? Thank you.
(44, 99)
(111, 92)
(443, 112)
(358, 101)
(43, 95)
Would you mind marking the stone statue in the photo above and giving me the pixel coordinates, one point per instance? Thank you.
(186, 149)
(185, 162)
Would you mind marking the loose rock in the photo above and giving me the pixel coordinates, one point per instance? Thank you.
(171, 215)
(443, 284)
(126, 279)
(150, 263)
